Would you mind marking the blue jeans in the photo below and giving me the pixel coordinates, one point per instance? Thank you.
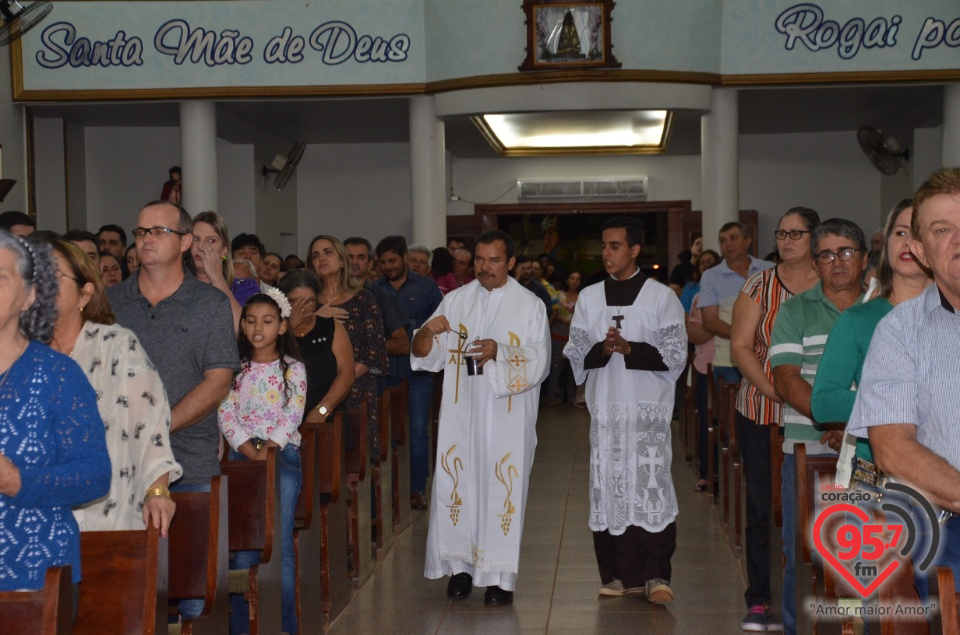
(727, 374)
(290, 479)
(189, 609)
(419, 394)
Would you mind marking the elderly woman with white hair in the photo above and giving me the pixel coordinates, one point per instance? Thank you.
(52, 449)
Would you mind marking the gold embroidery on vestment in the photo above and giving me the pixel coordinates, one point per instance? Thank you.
(456, 357)
(457, 465)
(506, 477)
(517, 365)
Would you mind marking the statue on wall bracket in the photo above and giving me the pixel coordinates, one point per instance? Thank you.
(563, 35)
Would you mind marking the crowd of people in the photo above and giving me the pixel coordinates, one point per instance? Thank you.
(816, 341)
(128, 370)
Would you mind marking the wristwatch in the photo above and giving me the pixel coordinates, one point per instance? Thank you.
(322, 409)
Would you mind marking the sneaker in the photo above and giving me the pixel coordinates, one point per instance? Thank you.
(659, 591)
(612, 589)
(757, 619)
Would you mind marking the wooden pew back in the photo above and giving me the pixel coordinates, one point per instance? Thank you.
(124, 587)
(47, 611)
(254, 519)
(400, 468)
(198, 554)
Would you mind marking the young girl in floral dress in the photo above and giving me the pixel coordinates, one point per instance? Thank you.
(264, 409)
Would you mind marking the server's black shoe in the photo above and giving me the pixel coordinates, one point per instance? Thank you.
(460, 586)
(495, 596)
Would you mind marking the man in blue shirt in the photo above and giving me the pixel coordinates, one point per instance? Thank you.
(418, 297)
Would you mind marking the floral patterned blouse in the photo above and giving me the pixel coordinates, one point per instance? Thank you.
(258, 408)
(365, 328)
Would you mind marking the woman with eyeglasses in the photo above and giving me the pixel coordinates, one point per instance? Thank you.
(132, 401)
(758, 406)
(53, 454)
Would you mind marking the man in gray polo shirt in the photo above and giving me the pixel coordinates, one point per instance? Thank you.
(186, 327)
(907, 401)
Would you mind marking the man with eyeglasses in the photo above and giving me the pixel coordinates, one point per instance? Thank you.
(719, 289)
(186, 327)
(839, 251)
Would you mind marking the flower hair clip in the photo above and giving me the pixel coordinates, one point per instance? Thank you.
(277, 296)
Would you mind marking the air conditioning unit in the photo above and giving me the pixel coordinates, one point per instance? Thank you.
(632, 188)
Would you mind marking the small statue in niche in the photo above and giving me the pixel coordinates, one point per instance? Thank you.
(568, 44)
(173, 189)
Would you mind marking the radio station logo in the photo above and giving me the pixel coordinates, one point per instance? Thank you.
(865, 552)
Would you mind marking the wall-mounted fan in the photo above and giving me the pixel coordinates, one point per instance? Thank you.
(18, 19)
(883, 151)
(285, 165)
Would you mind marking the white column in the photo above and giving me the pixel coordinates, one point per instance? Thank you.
(951, 125)
(427, 173)
(720, 174)
(198, 150)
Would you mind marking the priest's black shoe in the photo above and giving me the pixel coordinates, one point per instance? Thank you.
(460, 586)
(495, 596)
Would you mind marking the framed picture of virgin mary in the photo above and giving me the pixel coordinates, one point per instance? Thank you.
(564, 35)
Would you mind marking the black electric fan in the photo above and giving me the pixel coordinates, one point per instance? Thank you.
(18, 19)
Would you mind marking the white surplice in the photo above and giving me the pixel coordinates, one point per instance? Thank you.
(630, 410)
(487, 433)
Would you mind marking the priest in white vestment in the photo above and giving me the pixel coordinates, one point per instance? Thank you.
(629, 343)
(487, 434)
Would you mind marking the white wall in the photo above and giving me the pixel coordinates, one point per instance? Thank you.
(126, 168)
(49, 177)
(76, 155)
(354, 190)
(13, 141)
(825, 171)
(483, 181)
(275, 213)
(236, 189)
(927, 153)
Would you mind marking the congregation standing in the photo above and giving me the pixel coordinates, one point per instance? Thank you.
(185, 341)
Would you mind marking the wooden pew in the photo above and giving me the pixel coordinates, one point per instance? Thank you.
(306, 537)
(713, 432)
(254, 525)
(198, 553)
(724, 424)
(131, 565)
(47, 611)
(400, 434)
(383, 482)
(949, 621)
(736, 475)
(360, 557)
(336, 588)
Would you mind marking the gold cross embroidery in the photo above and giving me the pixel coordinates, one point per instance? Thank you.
(518, 371)
(457, 358)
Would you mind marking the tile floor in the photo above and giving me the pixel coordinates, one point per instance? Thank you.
(557, 585)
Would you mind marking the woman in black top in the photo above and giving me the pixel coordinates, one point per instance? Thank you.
(324, 346)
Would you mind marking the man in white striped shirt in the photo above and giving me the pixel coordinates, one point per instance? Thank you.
(909, 394)
(796, 346)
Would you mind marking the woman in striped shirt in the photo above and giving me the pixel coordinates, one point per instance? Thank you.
(757, 404)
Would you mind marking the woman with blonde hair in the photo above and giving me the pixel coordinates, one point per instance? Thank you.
(132, 401)
(211, 257)
(344, 299)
